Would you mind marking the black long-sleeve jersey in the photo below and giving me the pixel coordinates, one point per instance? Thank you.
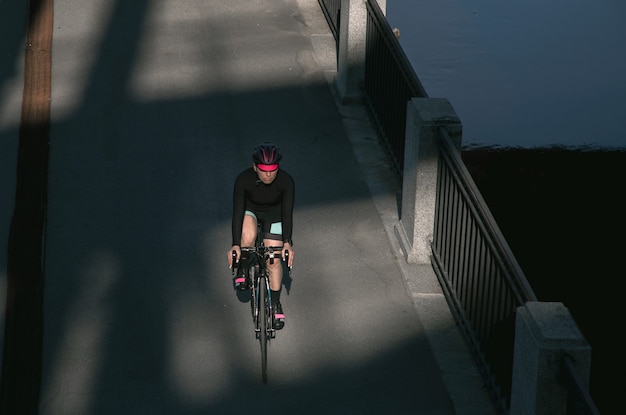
(275, 199)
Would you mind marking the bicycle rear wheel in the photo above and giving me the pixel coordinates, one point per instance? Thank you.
(263, 319)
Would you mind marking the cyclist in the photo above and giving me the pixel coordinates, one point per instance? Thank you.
(264, 193)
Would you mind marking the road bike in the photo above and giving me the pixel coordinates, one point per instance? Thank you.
(255, 258)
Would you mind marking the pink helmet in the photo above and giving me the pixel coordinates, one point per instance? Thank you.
(267, 156)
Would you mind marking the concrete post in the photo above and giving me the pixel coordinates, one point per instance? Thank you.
(419, 184)
(351, 49)
(544, 333)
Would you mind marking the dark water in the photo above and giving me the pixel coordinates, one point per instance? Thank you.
(562, 211)
(525, 73)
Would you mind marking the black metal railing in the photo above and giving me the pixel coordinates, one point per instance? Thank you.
(389, 84)
(483, 282)
(332, 12)
(579, 400)
(480, 276)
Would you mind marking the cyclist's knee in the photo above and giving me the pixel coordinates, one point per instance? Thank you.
(248, 231)
(275, 267)
(248, 238)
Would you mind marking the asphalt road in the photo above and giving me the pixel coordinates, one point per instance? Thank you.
(156, 107)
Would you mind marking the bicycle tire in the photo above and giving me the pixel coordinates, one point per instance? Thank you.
(263, 319)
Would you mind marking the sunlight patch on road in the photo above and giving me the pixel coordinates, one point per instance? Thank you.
(75, 372)
(344, 310)
(78, 35)
(196, 51)
(11, 98)
(196, 353)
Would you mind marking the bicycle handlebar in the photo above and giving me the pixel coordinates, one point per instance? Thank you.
(264, 249)
(287, 261)
(268, 251)
(234, 262)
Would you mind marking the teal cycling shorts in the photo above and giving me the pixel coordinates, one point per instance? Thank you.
(272, 231)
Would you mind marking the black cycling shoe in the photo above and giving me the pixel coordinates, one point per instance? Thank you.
(242, 282)
(279, 316)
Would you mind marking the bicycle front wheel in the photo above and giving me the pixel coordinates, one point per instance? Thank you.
(263, 318)
(254, 295)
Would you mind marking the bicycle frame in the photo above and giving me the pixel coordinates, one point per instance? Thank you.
(260, 293)
(260, 283)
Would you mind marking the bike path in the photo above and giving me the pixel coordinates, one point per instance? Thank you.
(156, 107)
